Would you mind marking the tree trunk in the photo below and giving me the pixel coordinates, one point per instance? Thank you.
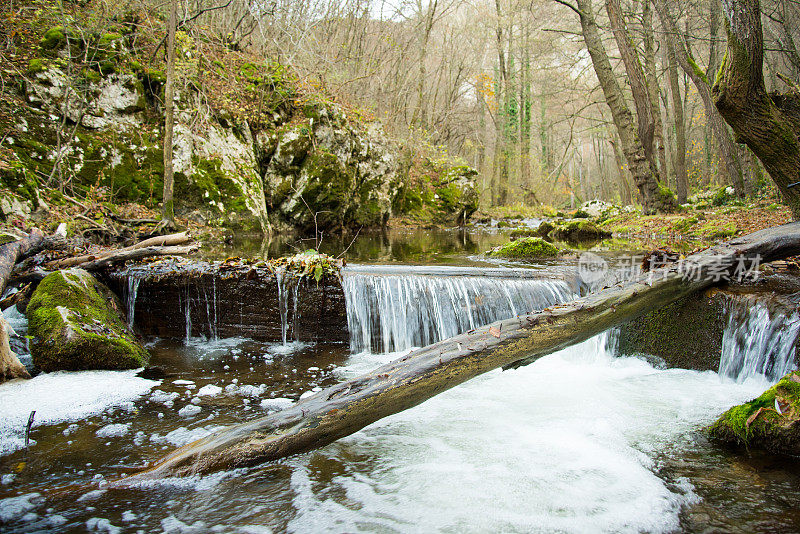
(681, 178)
(343, 409)
(651, 77)
(725, 145)
(168, 206)
(633, 149)
(767, 123)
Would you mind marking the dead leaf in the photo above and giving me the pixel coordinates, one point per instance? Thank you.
(494, 331)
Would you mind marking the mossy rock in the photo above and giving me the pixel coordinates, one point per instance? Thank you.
(37, 65)
(758, 424)
(54, 39)
(518, 233)
(579, 231)
(77, 325)
(544, 229)
(529, 248)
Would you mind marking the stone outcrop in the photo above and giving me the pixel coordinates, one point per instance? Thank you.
(324, 172)
(261, 158)
(77, 324)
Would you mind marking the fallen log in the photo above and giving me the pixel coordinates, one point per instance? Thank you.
(343, 409)
(119, 256)
(180, 238)
(11, 253)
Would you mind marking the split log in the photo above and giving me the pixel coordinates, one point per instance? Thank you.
(341, 410)
(180, 238)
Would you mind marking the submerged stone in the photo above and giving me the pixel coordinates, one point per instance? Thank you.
(77, 324)
(770, 422)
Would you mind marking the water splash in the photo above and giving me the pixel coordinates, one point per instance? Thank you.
(394, 312)
(758, 341)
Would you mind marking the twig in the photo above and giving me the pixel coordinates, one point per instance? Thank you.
(28, 430)
(350, 245)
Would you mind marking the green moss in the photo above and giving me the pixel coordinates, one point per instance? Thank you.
(76, 325)
(91, 76)
(733, 425)
(526, 248)
(578, 231)
(682, 225)
(37, 65)
(696, 68)
(523, 232)
(53, 39)
(580, 214)
(6, 238)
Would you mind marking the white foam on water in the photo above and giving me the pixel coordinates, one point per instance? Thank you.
(565, 444)
(61, 397)
(114, 430)
(16, 507)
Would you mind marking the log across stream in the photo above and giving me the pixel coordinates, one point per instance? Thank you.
(401, 384)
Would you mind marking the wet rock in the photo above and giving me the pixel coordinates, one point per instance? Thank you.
(230, 299)
(770, 422)
(579, 231)
(77, 324)
(328, 173)
(664, 333)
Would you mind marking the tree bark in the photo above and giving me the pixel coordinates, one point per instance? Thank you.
(767, 123)
(10, 254)
(168, 205)
(632, 146)
(343, 409)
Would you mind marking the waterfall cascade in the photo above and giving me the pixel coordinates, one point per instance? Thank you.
(759, 339)
(392, 309)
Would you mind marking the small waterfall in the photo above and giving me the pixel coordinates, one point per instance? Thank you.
(188, 311)
(132, 289)
(758, 340)
(285, 287)
(398, 310)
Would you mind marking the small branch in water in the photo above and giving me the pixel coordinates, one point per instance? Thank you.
(28, 430)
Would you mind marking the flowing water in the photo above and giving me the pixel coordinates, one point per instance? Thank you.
(579, 441)
(394, 309)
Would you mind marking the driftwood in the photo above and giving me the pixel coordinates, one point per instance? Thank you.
(343, 409)
(86, 259)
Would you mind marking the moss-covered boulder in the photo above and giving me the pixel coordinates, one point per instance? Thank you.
(77, 324)
(579, 231)
(529, 248)
(770, 422)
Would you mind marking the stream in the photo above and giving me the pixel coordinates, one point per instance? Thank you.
(581, 440)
